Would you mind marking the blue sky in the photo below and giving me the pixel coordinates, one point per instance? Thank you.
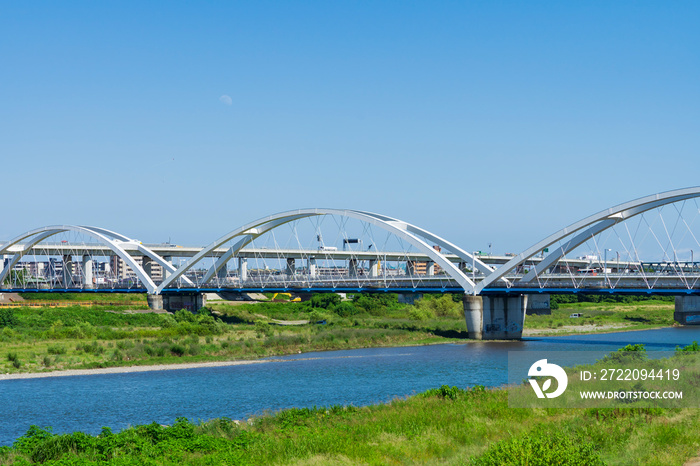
(482, 121)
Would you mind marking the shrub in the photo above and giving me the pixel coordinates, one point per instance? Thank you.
(346, 309)
(167, 321)
(442, 306)
(325, 300)
(693, 347)
(445, 391)
(56, 349)
(628, 353)
(177, 350)
(8, 318)
(420, 314)
(183, 315)
(540, 448)
(12, 356)
(263, 329)
(317, 316)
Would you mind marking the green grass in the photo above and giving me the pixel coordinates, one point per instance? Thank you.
(446, 425)
(88, 297)
(607, 315)
(46, 339)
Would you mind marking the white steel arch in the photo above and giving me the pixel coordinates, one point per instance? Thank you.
(411, 233)
(583, 230)
(112, 240)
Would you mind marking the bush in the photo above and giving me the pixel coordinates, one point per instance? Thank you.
(442, 306)
(56, 349)
(325, 300)
(689, 348)
(167, 321)
(540, 448)
(8, 318)
(421, 314)
(628, 353)
(346, 309)
(317, 316)
(263, 329)
(183, 315)
(445, 391)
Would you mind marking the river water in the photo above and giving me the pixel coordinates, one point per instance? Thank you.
(358, 377)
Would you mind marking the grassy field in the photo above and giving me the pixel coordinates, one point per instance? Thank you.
(446, 425)
(603, 316)
(80, 337)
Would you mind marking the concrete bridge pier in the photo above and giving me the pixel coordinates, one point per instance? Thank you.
(174, 302)
(495, 317)
(242, 269)
(222, 274)
(373, 268)
(168, 259)
(352, 268)
(291, 267)
(2, 267)
(87, 272)
(687, 310)
(155, 302)
(188, 301)
(539, 304)
(147, 265)
(312, 267)
(67, 272)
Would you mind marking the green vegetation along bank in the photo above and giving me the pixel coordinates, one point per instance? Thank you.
(446, 425)
(41, 339)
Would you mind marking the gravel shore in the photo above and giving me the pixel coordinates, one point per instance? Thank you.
(126, 369)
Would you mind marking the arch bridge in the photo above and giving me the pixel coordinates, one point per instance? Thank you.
(644, 246)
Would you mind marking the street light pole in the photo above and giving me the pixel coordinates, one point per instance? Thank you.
(605, 265)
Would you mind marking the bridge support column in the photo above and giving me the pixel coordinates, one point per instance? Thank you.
(410, 268)
(155, 302)
(87, 272)
(169, 260)
(409, 298)
(313, 269)
(538, 304)
(189, 301)
(67, 272)
(147, 264)
(242, 269)
(291, 266)
(498, 317)
(352, 268)
(430, 268)
(222, 274)
(687, 310)
(2, 267)
(373, 268)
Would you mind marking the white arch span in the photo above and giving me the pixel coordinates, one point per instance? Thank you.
(112, 240)
(414, 235)
(584, 230)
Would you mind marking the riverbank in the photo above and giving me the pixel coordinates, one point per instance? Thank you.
(49, 340)
(447, 425)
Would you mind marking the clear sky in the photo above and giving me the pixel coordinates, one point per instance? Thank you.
(489, 121)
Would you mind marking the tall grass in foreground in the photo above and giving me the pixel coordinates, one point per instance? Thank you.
(447, 425)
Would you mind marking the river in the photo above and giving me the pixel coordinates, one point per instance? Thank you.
(358, 377)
